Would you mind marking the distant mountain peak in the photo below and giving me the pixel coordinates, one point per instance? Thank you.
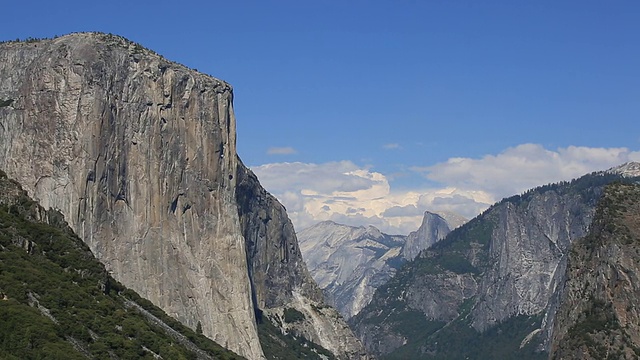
(453, 219)
(629, 169)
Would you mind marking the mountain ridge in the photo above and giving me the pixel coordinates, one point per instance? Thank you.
(501, 270)
(60, 302)
(350, 262)
(598, 316)
(139, 154)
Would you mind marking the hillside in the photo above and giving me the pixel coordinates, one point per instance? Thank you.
(490, 289)
(599, 315)
(349, 263)
(59, 302)
(139, 155)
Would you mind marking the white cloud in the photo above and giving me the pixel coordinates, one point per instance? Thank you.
(391, 146)
(281, 151)
(347, 193)
(525, 166)
(339, 191)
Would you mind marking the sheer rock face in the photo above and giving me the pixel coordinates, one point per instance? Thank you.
(507, 262)
(528, 246)
(433, 228)
(599, 314)
(275, 261)
(139, 154)
(349, 263)
(279, 276)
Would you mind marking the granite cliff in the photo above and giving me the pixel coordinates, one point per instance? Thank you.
(349, 263)
(279, 277)
(491, 288)
(599, 314)
(59, 302)
(434, 228)
(139, 155)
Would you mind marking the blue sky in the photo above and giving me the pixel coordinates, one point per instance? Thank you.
(371, 112)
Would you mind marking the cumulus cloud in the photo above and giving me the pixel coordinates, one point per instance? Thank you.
(350, 194)
(402, 211)
(339, 191)
(281, 151)
(525, 166)
(338, 178)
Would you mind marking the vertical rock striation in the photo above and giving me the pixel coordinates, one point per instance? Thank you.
(139, 154)
(501, 273)
(599, 315)
(279, 276)
(433, 228)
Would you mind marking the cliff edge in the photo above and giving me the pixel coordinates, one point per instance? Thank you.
(139, 154)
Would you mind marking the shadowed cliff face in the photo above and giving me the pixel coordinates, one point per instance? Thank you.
(139, 154)
(350, 263)
(275, 261)
(279, 276)
(499, 274)
(599, 315)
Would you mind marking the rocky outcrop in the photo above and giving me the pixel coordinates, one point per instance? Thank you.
(279, 276)
(139, 154)
(503, 268)
(630, 169)
(433, 228)
(599, 315)
(349, 263)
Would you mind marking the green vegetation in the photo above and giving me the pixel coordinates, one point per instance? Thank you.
(478, 230)
(596, 323)
(458, 340)
(201, 341)
(600, 316)
(279, 346)
(589, 187)
(466, 250)
(58, 302)
(594, 326)
(5, 103)
(292, 315)
(443, 261)
(411, 322)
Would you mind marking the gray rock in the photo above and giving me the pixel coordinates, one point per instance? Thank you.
(433, 228)
(279, 276)
(507, 263)
(139, 154)
(599, 314)
(350, 263)
(630, 169)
